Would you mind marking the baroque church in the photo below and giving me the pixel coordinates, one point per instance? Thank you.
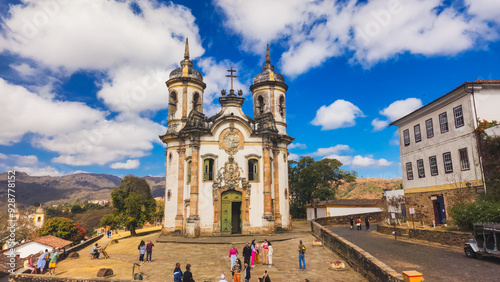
(228, 173)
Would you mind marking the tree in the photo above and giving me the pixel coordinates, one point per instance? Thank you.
(109, 220)
(309, 179)
(133, 202)
(63, 228)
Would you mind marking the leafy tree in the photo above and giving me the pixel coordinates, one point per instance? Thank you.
(109, 220)
(63, 228)
(77, 209)
(133, 202)
(309, 179)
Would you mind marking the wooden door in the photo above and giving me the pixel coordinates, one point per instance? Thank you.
(227, 200)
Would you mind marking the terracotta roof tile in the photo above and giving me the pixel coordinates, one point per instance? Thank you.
(52, 241)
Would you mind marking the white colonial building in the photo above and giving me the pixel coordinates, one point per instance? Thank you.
(439, 150)
(227, 173)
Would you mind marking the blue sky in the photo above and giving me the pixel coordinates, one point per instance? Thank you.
(82, 83)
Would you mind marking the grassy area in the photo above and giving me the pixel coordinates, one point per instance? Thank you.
(122, 255)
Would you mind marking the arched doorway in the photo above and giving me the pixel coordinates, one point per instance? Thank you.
(231, 212)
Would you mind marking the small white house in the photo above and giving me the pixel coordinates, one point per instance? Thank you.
(340, 207)
(38, 244)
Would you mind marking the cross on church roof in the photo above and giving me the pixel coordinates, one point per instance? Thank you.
(231, 70)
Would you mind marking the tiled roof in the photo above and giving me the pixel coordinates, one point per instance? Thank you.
(52, 241)
(348, 202)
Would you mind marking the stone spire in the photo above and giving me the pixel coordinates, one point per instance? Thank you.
(186, 50)
(268, 57)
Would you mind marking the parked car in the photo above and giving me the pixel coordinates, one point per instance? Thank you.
(485, 241)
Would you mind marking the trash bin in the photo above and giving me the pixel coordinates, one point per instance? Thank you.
(413, 276)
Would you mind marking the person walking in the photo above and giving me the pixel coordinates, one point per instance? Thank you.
(367, 222)
(53, 261)
(302, 251)
(351, 221)
(358, 224)
(247, 253)
(237, 271)
(264, 253)
(142, 251)
(270, 254)
(177, 273)
(257, 252)
(247, 272)
(149, 250)
(233, 252)
(188, 276)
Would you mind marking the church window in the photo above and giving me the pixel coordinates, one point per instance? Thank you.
(208, 170)
(260, 105)
(196, 102)
(189, 172)
(169, 194)
(172, 103)
(282, 106)
(170, 157)
(39, 219)
(253, 170)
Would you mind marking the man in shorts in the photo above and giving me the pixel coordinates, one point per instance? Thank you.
(53, 261)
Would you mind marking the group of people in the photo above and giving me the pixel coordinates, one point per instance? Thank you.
(145, 249)
(187, 276)
(358, 223)
(251, 253)
(46, 260)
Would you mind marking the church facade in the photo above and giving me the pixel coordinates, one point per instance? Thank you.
(228, 173)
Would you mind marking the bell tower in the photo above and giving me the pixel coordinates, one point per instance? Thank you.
(269, 94)
(185, 88)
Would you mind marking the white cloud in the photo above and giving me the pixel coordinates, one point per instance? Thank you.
(339, 114)
(379, 124)
(24, 69)
(367, 31)
(297, 145)
(345, 160)
(28, 164)
(216, 80)
(368, 161)
(396, 110)
(129, 164)
(99, 35)
(321, 152)
(293, 157)
(23, 111)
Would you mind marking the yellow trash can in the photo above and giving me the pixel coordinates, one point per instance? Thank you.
(413, 276)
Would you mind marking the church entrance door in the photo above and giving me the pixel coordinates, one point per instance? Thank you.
(231, 215)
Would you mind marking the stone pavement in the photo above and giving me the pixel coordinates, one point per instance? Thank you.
(436, 263)
(210, 258)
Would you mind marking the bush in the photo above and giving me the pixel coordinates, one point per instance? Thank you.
(480, 211)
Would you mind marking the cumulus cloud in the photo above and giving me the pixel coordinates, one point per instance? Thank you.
(129, 164)
(366, 31)
(322, 152)
(293, 157)
(368, 161)
(339, 152)
(396, 110)
(339, 114)
(28, 164)
(23, 111)
(297, 145)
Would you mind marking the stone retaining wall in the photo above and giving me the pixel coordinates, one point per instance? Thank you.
(451, 238)
(344, 219)
(46, 278)
(80, 246)
(358, 259)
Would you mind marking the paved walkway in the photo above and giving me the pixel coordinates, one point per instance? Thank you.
(209, 258)
(435, 263)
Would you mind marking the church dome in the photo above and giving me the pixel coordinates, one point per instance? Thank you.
(268, 73)
(186, 69)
